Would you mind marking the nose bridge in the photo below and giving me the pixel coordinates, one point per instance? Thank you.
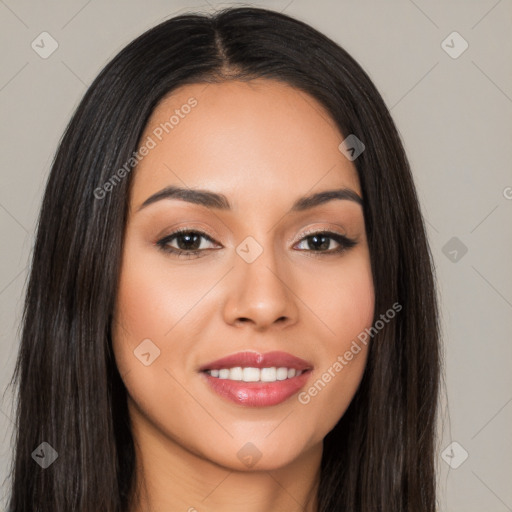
(260, 291)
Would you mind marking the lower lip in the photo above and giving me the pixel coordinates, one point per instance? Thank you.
(257, 394)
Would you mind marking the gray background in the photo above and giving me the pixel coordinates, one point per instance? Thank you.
(454, 116)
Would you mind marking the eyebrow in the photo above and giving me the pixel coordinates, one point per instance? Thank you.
(220, 202)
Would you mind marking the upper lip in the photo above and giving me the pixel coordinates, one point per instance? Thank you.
(257, 360)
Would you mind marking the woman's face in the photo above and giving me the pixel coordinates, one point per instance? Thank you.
(261, 282)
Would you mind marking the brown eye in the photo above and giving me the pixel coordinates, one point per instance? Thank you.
(188, 242)
(321, 241)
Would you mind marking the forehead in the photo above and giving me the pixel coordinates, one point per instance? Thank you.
(260, 138)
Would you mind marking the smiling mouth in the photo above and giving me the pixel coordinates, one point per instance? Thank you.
(252, 379)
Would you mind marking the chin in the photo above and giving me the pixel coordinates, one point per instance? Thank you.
(259, 456)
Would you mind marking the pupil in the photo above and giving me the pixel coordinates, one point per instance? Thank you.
(187, 237)
(324, 245)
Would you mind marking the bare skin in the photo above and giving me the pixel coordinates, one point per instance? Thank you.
(262, 144)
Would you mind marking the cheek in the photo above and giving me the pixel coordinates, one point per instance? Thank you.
(343, 300)
(150, 303)
(141, 312)
(355, 312)
(346, 309)
(152, 298)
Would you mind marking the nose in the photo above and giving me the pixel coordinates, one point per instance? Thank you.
(260, 293)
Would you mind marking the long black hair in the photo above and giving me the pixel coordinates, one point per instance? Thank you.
(380, 455)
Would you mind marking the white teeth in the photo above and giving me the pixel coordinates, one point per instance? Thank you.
(236, 373)
(255, 374)
(251, 374)
(282, 373)
(268, 374)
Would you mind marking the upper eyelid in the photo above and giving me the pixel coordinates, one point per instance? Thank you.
(188, 229)
(313, 231)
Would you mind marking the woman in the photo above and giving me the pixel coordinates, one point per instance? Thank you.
(231, 301)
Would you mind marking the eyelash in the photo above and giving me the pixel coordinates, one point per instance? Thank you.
(344, 242)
